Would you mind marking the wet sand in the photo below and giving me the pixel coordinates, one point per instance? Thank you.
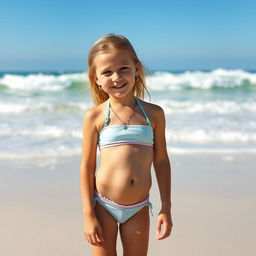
(213, 198)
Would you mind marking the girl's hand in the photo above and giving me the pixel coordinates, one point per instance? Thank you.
(93, 231)
(164, 224)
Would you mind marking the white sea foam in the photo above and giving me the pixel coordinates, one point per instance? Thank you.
(202, 150)
(48, 155)
(41, 82)
(170, 107)
(30, 106)
(44, 131)
(221, 78)
(217, 106)
(189, 135)
(61, 151)
(201, 136)
(158, 81)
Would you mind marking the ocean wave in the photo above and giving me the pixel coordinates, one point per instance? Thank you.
(219, 78)
(202, 150)
(47, 157)
(200, 136)
(43, 131)
(53, 141)
(61, 151)
(188, 135)
(43, 82)
(41, 107)
(223, 107)
(157, 81)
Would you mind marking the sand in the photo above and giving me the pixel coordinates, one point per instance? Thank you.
(214, 207)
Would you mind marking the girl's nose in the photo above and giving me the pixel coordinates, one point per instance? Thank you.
(115, 76)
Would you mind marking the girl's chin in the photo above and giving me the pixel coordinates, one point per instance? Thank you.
(121, 94)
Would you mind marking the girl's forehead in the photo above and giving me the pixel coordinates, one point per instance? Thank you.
(113, 57)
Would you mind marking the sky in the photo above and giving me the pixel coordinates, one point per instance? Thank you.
(167, 35)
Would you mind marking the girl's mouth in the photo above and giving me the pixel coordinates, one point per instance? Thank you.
(119, 87)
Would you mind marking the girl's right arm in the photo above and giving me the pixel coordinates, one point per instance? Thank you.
(92, 228)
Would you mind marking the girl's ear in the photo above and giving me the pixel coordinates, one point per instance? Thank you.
(137, 69)
(95, 78)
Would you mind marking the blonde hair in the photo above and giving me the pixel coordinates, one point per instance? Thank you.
(117, 42)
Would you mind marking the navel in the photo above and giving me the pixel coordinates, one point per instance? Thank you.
(132, 181)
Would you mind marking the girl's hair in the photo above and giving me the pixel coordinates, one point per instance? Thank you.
(105, 44)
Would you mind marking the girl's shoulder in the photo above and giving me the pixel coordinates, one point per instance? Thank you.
(95, 115)
(154, 111)
(151, 109)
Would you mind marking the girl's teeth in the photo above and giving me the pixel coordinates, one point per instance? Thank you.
(119, 86)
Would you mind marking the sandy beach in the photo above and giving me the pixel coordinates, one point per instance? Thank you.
(213, 207)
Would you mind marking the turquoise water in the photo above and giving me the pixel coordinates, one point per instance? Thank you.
(206, 111)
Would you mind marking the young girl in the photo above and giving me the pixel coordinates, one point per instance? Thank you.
(130, 134)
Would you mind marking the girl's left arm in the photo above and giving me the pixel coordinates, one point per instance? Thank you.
(163, 174)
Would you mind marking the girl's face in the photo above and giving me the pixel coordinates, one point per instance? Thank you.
(115, 71)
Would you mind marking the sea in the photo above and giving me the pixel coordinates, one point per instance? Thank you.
(207, 111)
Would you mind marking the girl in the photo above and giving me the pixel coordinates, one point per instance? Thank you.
(130, 134)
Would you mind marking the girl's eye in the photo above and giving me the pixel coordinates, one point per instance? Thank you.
(124, 68)
(106, 73)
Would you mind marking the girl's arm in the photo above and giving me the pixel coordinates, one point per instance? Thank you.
(163, 174)
(92, 228)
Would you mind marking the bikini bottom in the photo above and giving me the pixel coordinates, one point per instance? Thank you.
(120, 212)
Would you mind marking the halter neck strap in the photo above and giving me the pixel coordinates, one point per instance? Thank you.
(143, 111)
(107, 113)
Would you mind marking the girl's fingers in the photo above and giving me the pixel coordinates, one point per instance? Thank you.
(165, 232)
(96, 239)
(88, 238)
(99, 241)
(161, 235)
(158, 228)
(93, 238)
(99, 238)
(100, 234)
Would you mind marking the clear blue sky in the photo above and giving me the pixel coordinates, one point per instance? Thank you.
(57, 35)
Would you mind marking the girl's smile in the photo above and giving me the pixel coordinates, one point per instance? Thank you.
(118, 87)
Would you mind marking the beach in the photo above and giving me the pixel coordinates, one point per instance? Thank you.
(213, 198)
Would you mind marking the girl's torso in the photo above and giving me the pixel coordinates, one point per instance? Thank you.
(126, 155)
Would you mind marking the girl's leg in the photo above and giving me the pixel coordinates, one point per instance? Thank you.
(135, 234)
(110, 229)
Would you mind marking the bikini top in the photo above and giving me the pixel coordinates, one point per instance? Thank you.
(115, 135)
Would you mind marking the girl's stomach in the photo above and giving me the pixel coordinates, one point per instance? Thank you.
(124, 173)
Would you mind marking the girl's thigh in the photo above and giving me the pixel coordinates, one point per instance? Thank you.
(135, 234)
(109, 229)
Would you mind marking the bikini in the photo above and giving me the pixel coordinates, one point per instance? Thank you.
(120, 212)
(116, 135)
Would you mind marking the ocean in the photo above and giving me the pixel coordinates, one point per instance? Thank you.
(211, 111)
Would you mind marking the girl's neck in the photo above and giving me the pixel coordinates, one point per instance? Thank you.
(123, 102)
